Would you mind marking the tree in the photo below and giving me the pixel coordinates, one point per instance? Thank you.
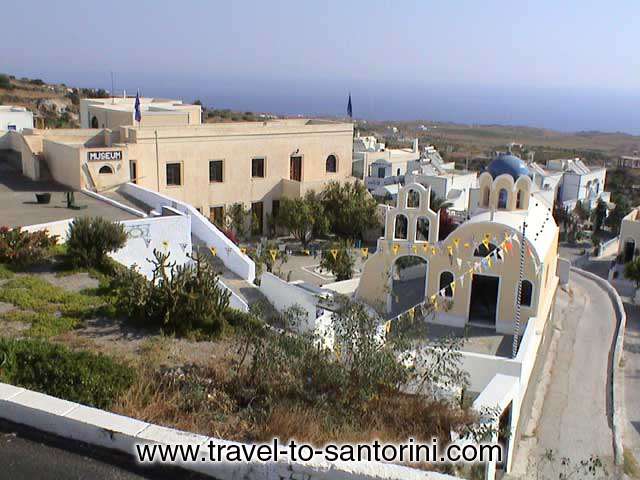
(237, 219)
(341, 264)
(580, 211)
(614, 220)
(598, 215)
(90, 239)
(436, 203)
(303, 218)
(350, 209)
(297, 217)
(632, 271)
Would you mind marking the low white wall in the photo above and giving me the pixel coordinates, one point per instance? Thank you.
(167, 234)
(482, 368)
(116, 432)
(283, 295)
(201, 227)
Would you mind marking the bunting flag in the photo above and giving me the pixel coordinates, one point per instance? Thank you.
(414, 249)
(453, 288)
(467, 244)
(274, 254)
(433, 250)
(334, 253)
(425, 247)
(243, 250)
(365, 252)
(456, 242)
(459, 262)
(395, 248)
(165, 244)
(387, 327)
(306, 252)
(213, 251)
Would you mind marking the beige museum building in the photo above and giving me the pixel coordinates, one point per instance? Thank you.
(210, 166)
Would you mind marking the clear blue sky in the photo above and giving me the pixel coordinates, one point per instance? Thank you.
(497, 61)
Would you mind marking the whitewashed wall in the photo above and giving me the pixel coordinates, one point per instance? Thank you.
(202, 228)
(283, 295)
(171, 234)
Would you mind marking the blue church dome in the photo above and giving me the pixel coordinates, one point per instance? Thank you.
(508, 163)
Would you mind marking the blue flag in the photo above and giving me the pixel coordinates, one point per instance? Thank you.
(349, 107)
(137, 107)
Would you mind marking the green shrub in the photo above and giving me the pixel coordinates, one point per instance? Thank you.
(21, 248)
(83, 377)
(5, 82)
(91, 239)
(179, 299)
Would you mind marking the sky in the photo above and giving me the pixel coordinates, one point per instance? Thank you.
(569, 65)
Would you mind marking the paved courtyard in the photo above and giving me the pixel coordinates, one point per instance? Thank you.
(18, 204)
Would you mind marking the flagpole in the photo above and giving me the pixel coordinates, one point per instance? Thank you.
(516, 326)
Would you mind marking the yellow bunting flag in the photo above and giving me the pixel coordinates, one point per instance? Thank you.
(414, 249)
(433, 298)
(395, 248)
(213, 251)
(453, 287)
(334, 253)
(274, 254)
(165, 244)
(411, 313)
(365, 252)
(307, 252)
(450, 249)
(489, 261)
(243, 250)
(425, 247)
(387, 327)
(467, 244)
(433, 250)
(485, 241)
(456, 242)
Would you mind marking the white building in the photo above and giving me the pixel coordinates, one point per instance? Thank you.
(15, 118)
(378, 165)
(579, 183)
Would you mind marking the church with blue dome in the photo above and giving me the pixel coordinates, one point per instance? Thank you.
(507, 163)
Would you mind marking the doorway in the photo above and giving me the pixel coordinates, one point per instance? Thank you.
(408, 283)
(629, 250)
(257, 218)
(295, 168)
(133, 171)
(484, 300)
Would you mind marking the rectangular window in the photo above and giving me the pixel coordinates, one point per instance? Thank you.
(174, 174)
(275, 208)
(215, 171)
(133, 171)
(216, 215)
(257, 167)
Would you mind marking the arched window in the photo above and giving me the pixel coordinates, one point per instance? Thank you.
(485, 196)
(422, 229)
(332, 164)
(94, 122)
(445, 282)
(526, 293)
(413, 199)
(401, 227)
(503, 198)
(519, 199)
(105, 169)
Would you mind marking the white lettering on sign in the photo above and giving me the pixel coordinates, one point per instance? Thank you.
(102, 156)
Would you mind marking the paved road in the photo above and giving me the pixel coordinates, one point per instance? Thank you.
(31, 455)
(575, 420)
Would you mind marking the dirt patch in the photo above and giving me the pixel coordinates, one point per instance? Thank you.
(75, 282)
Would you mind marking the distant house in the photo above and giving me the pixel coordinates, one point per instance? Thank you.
(579, 183)
(377, 165)
(629, 161)
(15, 118)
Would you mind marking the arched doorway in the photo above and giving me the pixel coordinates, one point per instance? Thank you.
(408, 283)
(94, 122)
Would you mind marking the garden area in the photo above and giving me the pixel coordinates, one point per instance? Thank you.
(170, 351)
